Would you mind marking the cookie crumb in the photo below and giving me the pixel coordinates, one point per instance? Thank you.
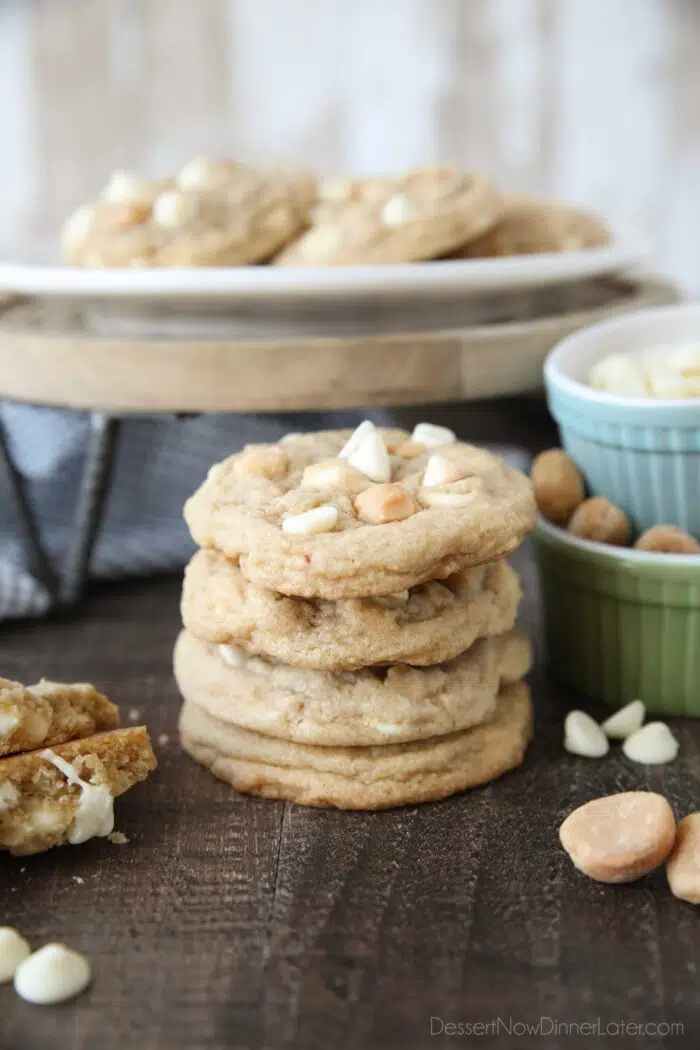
(163, 739)
(118, 838)
(134, 714)
(78, 879)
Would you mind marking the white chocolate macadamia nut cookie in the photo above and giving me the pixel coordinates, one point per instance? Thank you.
(373, 777)
(64, 794)
(384, 539)
(428, 624)
(420, 215)
(212, 213)
(369, 706)
(528, 226)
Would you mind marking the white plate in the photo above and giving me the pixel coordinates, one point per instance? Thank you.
(33, 273)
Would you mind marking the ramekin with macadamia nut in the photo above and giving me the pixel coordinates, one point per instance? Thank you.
(621, 622)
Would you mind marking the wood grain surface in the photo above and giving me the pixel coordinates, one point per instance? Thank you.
(230, 922)
(233, 922)
(329, 358)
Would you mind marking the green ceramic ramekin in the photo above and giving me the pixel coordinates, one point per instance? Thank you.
(621, 624)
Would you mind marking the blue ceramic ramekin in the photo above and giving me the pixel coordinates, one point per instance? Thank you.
(642, 453)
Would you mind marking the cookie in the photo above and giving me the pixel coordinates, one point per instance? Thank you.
(428, 624)
(209, 214)
(50, 713)
(528, 226)
(362, 777)
(419, 215)
(340, 515)
(41, 806)
(372, 706)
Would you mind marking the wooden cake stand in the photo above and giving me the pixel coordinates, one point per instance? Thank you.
(73, 356)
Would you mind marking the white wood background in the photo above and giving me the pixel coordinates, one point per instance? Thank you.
(593, 100)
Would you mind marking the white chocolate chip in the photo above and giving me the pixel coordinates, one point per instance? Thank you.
(173, 209)
(329, 475)
(78, 226)
(199, 172)
(431, 436)
(651, 745)
(355, 439)
(336, 190)
(46, 816)
(397, 210)
(127, 187)
(662, 372)
(310, 522)
(441, 471)
(388, 728)
(371, 457)
(445, 499)
(619, 374)
(9, 796)
(13, 951)
(625, 721)
(52, 975)
(233, 655)
(95, 814)
(583, 736)
(8, 723)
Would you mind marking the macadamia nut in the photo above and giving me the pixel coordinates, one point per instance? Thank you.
(558, 485)
(600, 520)
(667, 539)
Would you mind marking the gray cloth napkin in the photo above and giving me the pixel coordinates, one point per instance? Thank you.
(158, 464)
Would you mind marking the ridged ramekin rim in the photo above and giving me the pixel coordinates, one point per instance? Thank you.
(623, 557)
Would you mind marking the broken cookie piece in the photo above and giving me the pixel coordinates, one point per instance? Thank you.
(65, 794)
(50, 713)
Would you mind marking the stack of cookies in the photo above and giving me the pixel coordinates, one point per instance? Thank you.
(349, 621)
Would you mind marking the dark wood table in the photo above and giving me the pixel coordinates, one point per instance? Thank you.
(229, 921)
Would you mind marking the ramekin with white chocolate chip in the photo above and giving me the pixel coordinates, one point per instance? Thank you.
(635, 435)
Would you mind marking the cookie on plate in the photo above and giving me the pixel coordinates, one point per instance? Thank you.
(529, 225)
(65, 794)
(362, 777)
(372, 706)
(336, 514)
(427, 624)
(420, 215)
(50, 713)
(212, 213)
